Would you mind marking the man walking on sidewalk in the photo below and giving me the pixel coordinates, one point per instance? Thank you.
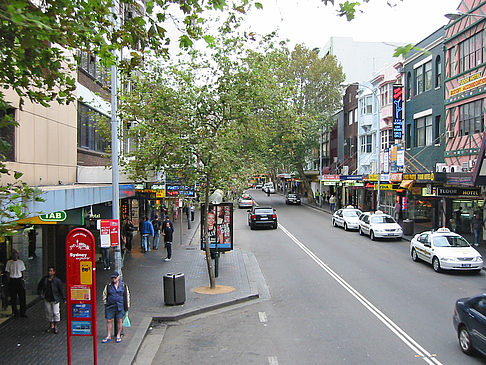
(16, 285)
(156, 224)
(51, 289)
(147, 231)
(477, 226)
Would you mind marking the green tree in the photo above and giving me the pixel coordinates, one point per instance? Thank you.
(201, 118)
(313, 94)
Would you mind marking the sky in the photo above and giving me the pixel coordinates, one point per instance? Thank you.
(313, 23)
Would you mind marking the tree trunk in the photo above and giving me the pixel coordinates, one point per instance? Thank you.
(307, 186)
(204, 227)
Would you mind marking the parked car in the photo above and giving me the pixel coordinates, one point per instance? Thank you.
(445, 250)
(469, 321)
(292, 199)
(245, 201)
(348, 218)
(379, 225)
(262, 216)
(258, 186)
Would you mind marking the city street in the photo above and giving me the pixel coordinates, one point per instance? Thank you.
(335, 298)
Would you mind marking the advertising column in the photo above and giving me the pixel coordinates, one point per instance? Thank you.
(81, 286)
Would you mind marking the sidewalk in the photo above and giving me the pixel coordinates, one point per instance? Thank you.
(417, 229)
(25, 342)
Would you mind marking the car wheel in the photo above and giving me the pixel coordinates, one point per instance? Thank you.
(414, 255)
(345, 227)
(252, 227)
(360, 232)
(372, 236)
(334, 223)
(275, 225)
(436, 264)
(465, 340)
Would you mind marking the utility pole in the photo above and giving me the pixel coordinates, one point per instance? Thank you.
(320, 167)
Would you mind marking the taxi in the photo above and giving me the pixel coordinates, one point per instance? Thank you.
(445, 250)
(348, 218)
(379, 225)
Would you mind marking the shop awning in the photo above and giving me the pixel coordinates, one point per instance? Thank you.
(407, 184)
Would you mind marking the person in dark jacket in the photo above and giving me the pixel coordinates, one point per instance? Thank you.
(168, 232)
(51, 289)
(128, 231)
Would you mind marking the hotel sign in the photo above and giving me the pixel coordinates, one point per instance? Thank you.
(468, 83)
(443, 191)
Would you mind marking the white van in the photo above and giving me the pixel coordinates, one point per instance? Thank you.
(270, 186)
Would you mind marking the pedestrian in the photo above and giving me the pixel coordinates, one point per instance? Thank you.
(477, 226)
(32, 242)
(51, 289)
(332, 202)
(105, 255)
(167, 219)
(168, 232)
(317, 197)
(116, 298)
(16, 284)
(458, 214)
(146, 230)
(398, 210)
(192, 213)
(129, 228)
(156, 224)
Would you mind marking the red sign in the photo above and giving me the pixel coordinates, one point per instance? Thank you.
(81, 286)
(114, 233)
(109, 233)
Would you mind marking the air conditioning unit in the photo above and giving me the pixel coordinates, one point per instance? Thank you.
(455, 168)
(450, 134)
(465, 167)
(472, 163)
(441, 167)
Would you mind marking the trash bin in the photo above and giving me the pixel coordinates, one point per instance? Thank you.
(174, 289)
(408, 227)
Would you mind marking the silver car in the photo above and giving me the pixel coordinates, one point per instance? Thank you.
(348, 218)
(379, 225)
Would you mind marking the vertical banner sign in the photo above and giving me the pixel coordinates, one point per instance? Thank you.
(397, 111)
(220, 227)
(108, 232)
(81, 286)
(114, 224)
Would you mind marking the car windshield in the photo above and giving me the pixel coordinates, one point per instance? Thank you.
(246, 197)
(292, 196)
(450, 241)
(264, 211)
(351, 213)
(382, 219)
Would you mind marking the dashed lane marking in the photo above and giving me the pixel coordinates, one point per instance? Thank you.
(272, 360)
(262, 316)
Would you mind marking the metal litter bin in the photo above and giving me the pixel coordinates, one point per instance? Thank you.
(174, 289)
(408, 227)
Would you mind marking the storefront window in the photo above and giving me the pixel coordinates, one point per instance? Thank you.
(469, 209)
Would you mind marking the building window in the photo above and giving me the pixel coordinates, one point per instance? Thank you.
(386, 94)
(89, 136)
(428, 75)
(408, 138)
(425, 135)
(92, 67)
(409, 86)
(366, 143)
(452, 58)
(471, 52)
(386, 139)
(437, 130)
(438, 72)
(367, 105)
(7, 134)
(471, 116)
(419, 80)
(350, 117)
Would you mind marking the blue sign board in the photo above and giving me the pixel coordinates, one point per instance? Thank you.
(81, 310)
(397, 111)
(81, 327)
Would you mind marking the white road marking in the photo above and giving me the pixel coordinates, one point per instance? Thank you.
(262, 316)
(401, 334)
(272, 360)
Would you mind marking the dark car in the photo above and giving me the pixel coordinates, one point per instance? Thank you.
(292, 199)
(470, 323)
(261, 217)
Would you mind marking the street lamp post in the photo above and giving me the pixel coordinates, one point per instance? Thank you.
(320, 168)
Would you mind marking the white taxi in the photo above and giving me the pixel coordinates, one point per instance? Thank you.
(379, 225)
(445, 250)
(348, 218)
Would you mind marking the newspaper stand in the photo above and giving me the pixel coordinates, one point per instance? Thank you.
(81, 287)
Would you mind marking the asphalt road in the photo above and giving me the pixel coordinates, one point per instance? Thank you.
(335, 298)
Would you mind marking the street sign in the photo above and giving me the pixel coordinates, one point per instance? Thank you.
(81, 286)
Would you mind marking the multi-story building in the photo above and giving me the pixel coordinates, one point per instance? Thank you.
(465, 91)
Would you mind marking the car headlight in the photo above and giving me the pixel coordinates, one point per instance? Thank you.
(478, 259)
(447, 259)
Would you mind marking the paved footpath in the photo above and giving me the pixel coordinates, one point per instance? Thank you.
(24, 340)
